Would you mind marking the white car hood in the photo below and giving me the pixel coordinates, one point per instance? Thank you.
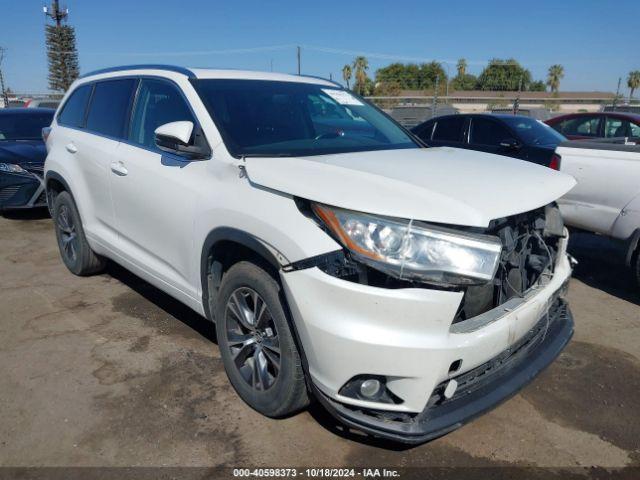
(442, 185)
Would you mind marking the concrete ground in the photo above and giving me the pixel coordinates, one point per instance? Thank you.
(109, 371)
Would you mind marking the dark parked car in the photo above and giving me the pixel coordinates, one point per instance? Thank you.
(511, 135)
(580, 126)
(22, 155)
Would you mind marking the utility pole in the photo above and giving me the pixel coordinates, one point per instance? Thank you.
(615, 100)
(516, 103)
(56, 13)
(434, 104)
(5, 97)
(272, 64)
(298, 60)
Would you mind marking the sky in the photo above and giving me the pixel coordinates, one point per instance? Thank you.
(595, 42)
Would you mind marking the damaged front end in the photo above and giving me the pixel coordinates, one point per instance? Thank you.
(529, 249)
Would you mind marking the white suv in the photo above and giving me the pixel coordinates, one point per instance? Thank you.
(407, 289)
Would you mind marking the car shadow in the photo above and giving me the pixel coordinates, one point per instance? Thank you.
(601, 265)
(202, 326)
(167, 303)
(38, 213)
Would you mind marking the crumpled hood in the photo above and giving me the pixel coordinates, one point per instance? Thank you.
(22, 152)
(441, 185)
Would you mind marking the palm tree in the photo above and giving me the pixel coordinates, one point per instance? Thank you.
(462, 67)
(556, 73)
(346, 74)
(361, 65)
(633, 82)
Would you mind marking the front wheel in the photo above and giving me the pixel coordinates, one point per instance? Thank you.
(256, 344)
(75, 251)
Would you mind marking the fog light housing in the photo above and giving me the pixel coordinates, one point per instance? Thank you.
(370, 388)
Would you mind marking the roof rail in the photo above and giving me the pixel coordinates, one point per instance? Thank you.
(169, 68)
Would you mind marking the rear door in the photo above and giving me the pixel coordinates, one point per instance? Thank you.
(486, 135)
(93, 121)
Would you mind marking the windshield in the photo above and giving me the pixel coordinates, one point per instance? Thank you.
(23, 126)
(273, 118)
(534, 132)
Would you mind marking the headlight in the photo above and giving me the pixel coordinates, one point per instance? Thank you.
(409, 251)
(11, 168)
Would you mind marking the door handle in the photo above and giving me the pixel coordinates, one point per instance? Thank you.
(119, 169)
(71, 148)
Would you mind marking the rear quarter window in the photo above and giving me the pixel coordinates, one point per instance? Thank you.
(74, 109)
(110, 106)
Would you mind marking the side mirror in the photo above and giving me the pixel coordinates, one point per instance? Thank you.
(510, 144)
(181, 138)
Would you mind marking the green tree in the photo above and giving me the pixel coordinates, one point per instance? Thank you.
(360, 65)
(464, 82)
(633, 82)
(62, 56)
(555, 74)
(411, 76)
(537, 86)
(502, 75)
(346, 74)
(462, 67)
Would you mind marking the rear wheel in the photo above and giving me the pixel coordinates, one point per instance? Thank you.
(256, 344)
(635, 265)
(74, 248)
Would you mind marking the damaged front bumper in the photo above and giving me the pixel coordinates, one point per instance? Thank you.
(19, 191)
(407, 337)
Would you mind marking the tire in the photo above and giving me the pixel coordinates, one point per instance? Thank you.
(635, 266)
(74, 248)
(249, 345)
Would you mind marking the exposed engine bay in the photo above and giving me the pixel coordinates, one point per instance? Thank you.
(529, 250)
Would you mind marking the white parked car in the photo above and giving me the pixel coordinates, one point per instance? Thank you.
(407, 289)
(607, 198)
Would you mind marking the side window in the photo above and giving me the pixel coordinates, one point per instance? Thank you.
(424, 132)
(73, 112)
(616, 127)
(158, 103)
(449, 129)
(488, 132)
(635, 130)
(110, 106)
(581, 126)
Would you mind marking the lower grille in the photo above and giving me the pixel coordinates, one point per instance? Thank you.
(8, 192)
(478, 377)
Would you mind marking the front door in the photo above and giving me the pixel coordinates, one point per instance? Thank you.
(153, 191)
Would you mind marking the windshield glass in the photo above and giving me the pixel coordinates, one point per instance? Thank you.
(273, 118)
(22, 126)
(534, 132)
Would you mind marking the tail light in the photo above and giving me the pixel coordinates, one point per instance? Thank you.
(555, 161)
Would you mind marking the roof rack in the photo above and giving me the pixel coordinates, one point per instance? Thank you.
(168, 68)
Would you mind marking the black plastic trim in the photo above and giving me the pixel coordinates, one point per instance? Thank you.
(233, 235)
(449, 417)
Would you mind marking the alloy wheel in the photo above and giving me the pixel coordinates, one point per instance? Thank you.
(252, 338)
(68, 234)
